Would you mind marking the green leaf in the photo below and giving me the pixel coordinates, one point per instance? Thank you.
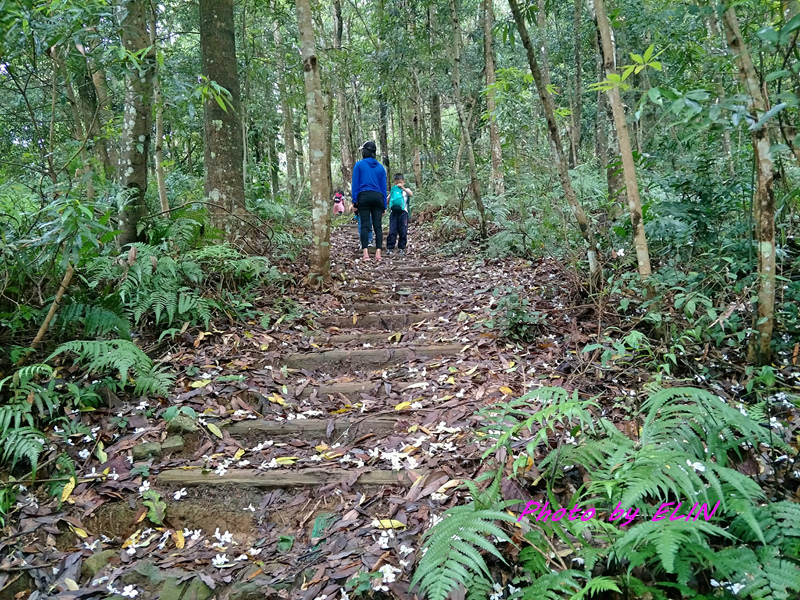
(285, 543)
(656, 65)
(637, 58)
(156, 505)
(648, 54)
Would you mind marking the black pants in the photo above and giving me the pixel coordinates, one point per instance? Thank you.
(398, 227)
(370, 211)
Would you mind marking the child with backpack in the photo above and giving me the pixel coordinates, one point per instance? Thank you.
(338, 203)
(398, 218)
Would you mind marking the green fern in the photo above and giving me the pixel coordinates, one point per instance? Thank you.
(96, 321)
(22, 442)
(452, 549)
(122, 356)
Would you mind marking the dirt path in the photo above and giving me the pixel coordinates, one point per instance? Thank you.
(321, 451)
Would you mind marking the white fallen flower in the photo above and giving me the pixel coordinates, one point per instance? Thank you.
(251, 508)
(144, 487)
(697, 466)
(180, 494)
(221, 470)
(224, 538)
(84, 454)
(405, 550)
(220, 561)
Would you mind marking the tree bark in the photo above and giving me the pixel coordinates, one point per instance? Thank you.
(223, 137)
(557, 148)
(345, 137)
(463, 119)
(286, 113)
(628, 166)
(435, 100)
(159, 104)
(320, 268)
(416, 161)
(760, 350)
(383, 110)
(578, 87)
(497, 183)
(136, 121)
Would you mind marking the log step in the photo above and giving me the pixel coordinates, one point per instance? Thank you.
(371, 357)
(352, 388)
(313, 429)
(284, 478)
(390, 322)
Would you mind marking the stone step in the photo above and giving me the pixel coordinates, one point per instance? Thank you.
(376, 307)
(372, 357)
(351, 389)
(285, 478)
(423, 270)
(387, 287)
(390, 322)
(313, 429)
(368, 338)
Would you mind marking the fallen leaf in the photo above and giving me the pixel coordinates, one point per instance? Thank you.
(78, 531)
(200, 383)
(68, 489)
(403, 406)
(239, 454)
(177, 537)
(286, 460)
(215, 430)
(507, 391)
(390, 524)
(71, 585)
(101, 454)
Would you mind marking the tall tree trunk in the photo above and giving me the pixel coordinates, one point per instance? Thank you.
(628, 166)
(159, 104)
(416, 162)
(557, 148)
(760, 350)
(345, 138)
(301, 156)
(578, 87)
(714, 32)
(136, 123)
(108, 150)
(541, 25)
(497, 183)
(245, 98)
(224, 147)
(383, 110)
(92, 118)
(286, 113)
(320, 268)
(464, 120)
(78, 126)
(435, 99)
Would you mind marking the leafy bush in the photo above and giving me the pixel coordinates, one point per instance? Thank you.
(687, 450)
(515, 318)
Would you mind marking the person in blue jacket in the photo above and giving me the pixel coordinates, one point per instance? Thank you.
(369, 196)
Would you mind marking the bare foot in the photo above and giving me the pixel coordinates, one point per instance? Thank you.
(377, 254)
(366, 254)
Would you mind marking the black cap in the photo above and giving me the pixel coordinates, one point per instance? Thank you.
(369, 146)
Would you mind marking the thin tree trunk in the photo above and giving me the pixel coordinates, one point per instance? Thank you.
(541, 25)
(497, 183)
(578, 87)
(345, 138)
(628, 166)
(78, 129)
(320, 268)
(417, 128)
(224, 141)
(245, 98)
(301, 158)
(383, 110)
(760, 350)
(435, 100)
(713, 29)
(557, 148)
(159, 104)
(463, 119)
(107, 151)
(137, 119)
(286, 113)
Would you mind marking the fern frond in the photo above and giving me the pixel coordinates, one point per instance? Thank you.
(22, 442)
(451, 549)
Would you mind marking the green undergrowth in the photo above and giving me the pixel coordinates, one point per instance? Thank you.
(687, 447)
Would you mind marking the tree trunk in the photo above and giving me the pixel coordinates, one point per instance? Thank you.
(435, 100)
(628, 166)
(224, 147)
(286, 113)
(463, 119)
(159, 104)
(320, 268)
(107, 151)
(345, 138)
(760, 350)
(541, 25)
(416, 162)
(557, 148)
(384, 133)
(497, 183)
(92, 120)
(137, 119)
(578, 87)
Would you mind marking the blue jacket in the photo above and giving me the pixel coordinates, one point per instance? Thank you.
(368, 176)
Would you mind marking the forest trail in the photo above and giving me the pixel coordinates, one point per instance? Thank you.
(325, 445)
